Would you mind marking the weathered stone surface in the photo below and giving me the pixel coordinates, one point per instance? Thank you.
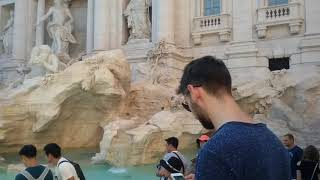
(110, 131)
(145, 143)
(94, 99)
(279, 99)
(65, 107)
(145, 99)
(288, 100)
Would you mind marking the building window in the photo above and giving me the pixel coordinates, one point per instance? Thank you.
(212, 7)
(276, 64)
(277, 2)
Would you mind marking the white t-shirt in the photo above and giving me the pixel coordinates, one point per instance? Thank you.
(66, 170)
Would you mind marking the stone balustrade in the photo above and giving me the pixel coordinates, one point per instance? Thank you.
(291, 14)
(219, 24)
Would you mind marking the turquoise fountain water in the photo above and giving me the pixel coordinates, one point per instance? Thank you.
(92, 172)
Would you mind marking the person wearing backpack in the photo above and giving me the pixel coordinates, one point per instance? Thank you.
(308, 167)
(34, 171)
(65, 169)
(172, 144)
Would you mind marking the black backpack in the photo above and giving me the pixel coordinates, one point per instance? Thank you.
(77, 168)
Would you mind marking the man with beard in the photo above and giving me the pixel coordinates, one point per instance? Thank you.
(240, 149)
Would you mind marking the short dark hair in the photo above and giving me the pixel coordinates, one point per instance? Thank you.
(173, 141)
(30, 151)
(209, 73)
(53, 149)
(290, 136)
(311, 153)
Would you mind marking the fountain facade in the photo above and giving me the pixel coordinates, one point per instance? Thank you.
(105, 72)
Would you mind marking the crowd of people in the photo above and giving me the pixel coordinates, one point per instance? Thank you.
(65, 169)
(240, 149)
(304, 164)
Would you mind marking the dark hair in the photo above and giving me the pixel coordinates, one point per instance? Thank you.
(173, 141)
(207, 72)
(311, 153)
(290, 136)
(29, 151)
(53, 149)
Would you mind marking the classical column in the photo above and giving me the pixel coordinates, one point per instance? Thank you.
(242, 20)
(224, 6)
(183, 23)
(197, 7)
(115, 23)
(40, 28)
(20, 37)
(100, 40)
(310, 45)
(243, 51)
(90, 26)
(0, 15)
(163, 20)
(312, 11)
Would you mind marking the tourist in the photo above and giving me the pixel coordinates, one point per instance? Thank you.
(240, 149)
(65, 170)
(28, 155)
(168, 167)
(201, 141)
(308, 168)
(295, 153)
(172, 144)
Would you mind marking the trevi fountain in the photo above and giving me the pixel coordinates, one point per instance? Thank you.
(99, 77)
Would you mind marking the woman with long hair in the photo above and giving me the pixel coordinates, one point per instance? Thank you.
(308, 167)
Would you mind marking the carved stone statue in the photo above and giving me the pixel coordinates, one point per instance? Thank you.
(60, 27)
(43, 61)
(137, 14)
(7, 34)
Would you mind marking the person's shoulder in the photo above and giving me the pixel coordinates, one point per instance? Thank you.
(64, 163)
(20, 177)
(167, 156)
(180, 154)
(296, 149)
(299, 149)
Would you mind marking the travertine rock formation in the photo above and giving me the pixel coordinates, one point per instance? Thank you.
(94, 99)
(145, 143)
(287, 101)
(66, 107)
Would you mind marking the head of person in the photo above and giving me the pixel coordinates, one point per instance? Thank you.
(172, 165)
(28, 154)
(205, 80)
(203, 139)
(172, 144)
(288, 140)
(53, 153)
(311, 153)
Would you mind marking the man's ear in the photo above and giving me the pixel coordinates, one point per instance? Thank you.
(196, 93)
